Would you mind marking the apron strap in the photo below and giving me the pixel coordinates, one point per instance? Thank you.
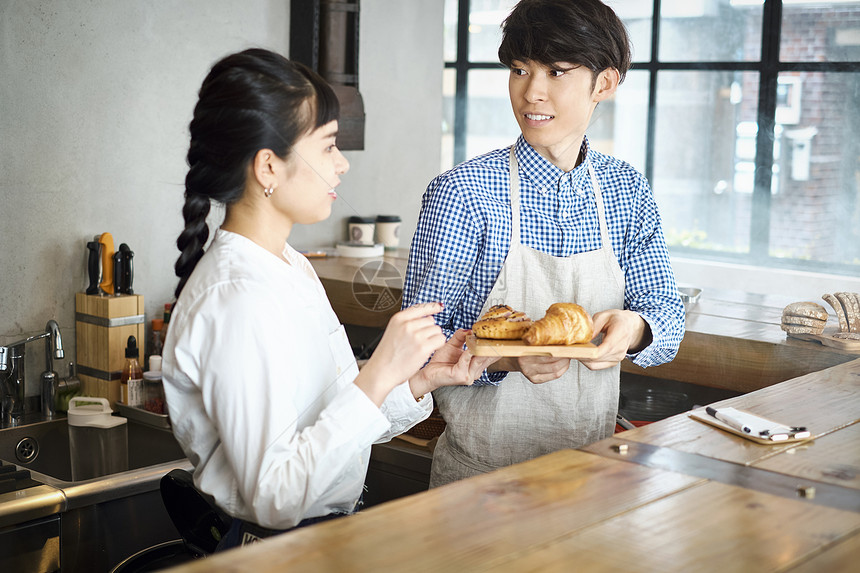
(601, 214)
(515, 198)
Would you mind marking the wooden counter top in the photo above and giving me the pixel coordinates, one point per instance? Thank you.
(733, 339)
(700, 499)
(567, 511)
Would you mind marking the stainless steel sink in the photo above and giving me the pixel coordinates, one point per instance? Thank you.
(43, 448)
(93, 516)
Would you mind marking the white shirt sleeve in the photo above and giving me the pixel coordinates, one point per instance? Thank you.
(403, 411)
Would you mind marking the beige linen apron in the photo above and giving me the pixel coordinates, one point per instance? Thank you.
(489, 427)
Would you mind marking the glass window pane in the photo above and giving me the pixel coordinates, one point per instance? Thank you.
(710, 31)
(820, 32)
(636, 15)
(619, 126)
(704, 155)
(485, 32)
(491, 123)
(449, 38)
(815, 214)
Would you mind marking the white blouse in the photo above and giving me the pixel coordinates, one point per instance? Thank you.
(258, 375)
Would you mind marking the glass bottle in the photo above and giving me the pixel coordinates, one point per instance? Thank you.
(154, 392)
(157, 338)
(131, 382)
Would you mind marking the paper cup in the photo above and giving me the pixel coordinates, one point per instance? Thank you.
(361, 230)
(388, 231)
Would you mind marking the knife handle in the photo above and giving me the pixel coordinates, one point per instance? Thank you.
(94, 267)
(106, 239)
(125, 274)
(128, 269)
(117, 273)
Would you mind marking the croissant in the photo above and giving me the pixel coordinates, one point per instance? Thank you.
(501, 322)
(564, 323)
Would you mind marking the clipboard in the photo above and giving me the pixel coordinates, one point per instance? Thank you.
(762, 430)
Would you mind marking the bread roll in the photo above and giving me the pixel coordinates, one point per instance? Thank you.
(801, 328)
(803, 321)
(564, 323)
(804, 318)
(805, 309)
(501, 322)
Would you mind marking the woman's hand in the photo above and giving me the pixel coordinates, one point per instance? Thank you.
(451, 365)
(624, 332)
(408, 341)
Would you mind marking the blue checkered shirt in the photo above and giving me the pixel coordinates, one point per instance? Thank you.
(464, 230)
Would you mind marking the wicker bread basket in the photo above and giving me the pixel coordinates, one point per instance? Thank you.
(430, 428)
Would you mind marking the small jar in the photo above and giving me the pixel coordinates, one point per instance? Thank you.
(388, 231)
(153, 392)
(361, 230)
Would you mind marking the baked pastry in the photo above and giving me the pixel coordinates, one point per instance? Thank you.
(803, 318)
(501, 322)
(846, 305)
(839, 310)
(564, 323)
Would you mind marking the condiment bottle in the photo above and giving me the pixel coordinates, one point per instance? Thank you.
(157, 338)
(131, 382)
(154, 392)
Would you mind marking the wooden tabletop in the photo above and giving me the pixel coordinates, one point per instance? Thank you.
(684, 496)
(826, 402)
(733, 338)
(570, 510)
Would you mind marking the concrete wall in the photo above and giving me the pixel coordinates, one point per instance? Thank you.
(95, 100)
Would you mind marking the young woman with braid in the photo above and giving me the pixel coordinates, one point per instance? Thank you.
(262, 387)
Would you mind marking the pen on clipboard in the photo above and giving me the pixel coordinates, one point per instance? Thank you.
(728, 420)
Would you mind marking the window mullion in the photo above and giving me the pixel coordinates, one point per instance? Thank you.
(769, 72)
(461, 113)
(651, 128)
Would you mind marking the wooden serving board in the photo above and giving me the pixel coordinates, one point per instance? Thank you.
(829, 340)
(488, 347)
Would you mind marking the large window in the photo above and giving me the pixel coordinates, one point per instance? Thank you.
(743, 114)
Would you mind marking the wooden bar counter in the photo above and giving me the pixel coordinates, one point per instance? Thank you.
(682, 496)
(733, 339)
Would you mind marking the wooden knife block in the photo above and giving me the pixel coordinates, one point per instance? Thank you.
(102, 327)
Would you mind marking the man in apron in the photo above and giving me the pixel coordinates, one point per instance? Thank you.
(546, 220)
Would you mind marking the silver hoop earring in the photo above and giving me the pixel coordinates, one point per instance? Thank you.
(268, 191)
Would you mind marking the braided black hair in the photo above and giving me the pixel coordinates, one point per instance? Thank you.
(251, 100)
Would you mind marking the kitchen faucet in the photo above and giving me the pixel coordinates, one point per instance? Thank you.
(12, 374)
